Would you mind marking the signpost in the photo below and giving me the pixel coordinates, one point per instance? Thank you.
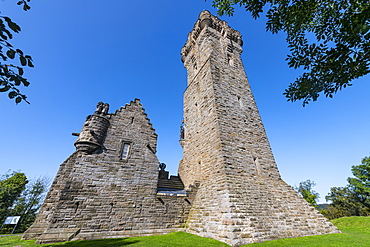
(11, 220)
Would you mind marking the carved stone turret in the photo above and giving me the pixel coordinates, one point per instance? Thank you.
(94, 130)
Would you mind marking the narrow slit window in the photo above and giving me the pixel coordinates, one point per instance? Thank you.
(240, 102)
(125, 151)
(257, 165)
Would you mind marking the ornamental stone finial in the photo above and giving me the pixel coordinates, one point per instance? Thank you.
(162, 166)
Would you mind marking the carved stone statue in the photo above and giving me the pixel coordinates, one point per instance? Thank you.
(182, 131)
(105, 108)
(99, 108)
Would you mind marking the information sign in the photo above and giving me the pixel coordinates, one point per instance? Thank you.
(12, 220)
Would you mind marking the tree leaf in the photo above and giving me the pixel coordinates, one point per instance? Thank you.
(4, 89)
(26, 7)
(12, 25)
(20, 70)
(29, 61)
(25, 82)
(23, 60)
(10, 53)
(12, 94)
(19, 51)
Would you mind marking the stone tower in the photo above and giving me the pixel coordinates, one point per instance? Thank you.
(241, 198)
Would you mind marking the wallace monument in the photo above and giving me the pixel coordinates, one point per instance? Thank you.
(228, 185)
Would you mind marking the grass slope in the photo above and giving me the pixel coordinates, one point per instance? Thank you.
(175, 239)
(356, 232)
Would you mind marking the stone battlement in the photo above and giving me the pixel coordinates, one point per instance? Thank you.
(214, 24)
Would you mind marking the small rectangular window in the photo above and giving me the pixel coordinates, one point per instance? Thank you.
(125, 151)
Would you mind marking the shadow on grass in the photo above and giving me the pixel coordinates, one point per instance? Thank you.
(116, 242)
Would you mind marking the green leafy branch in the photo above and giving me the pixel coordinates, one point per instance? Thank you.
(328, 39)
(12, 76)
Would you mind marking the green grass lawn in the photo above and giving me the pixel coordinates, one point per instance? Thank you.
(176, 239)
(356, 232)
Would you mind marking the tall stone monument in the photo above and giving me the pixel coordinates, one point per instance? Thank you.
(229, 187)
(241, 198)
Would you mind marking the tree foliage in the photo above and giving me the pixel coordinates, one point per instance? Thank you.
(18, 197)
(353, 199)
(12, 72)
(306, 191)
(11, 187)
(29, 202)
(360, 184)
(328, 39)
(344, 203)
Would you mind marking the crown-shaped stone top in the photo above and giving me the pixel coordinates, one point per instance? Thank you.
(206, 19)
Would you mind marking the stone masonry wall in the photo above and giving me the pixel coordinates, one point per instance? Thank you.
(103, 194)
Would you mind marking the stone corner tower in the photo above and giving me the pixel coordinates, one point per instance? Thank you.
(241, 198)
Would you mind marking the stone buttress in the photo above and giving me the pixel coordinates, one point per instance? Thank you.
(111, 186)
(241, 198)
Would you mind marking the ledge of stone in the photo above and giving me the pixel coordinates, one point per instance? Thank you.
(55, 235)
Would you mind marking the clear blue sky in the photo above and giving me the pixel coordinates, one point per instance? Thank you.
(114, 51)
